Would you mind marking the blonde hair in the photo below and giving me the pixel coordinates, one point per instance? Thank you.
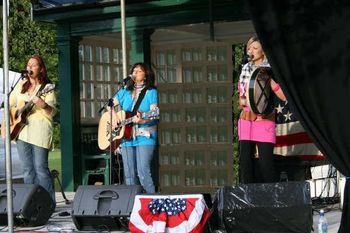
(255, 39)
(251, 40)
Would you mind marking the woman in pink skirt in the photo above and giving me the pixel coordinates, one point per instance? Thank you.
(256, 133)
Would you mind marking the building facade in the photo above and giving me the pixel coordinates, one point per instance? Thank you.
(190, 44)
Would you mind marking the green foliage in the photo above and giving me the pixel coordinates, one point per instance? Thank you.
(238, 52)
(56, 136)
(26, 38)
(55, 164)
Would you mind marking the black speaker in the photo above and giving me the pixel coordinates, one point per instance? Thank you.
(32, 205)
(103, 207)
(266, 207)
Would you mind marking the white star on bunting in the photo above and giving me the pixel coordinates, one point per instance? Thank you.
(288, 116)
(279, 108)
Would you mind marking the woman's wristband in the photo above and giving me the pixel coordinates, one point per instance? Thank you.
(276, 87)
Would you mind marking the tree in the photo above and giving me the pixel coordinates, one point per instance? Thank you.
(28, 37)
(238, 52)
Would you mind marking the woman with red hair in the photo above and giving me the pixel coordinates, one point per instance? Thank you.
(35, 137)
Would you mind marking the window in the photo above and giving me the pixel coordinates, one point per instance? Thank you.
(196, 129)
(100, 70)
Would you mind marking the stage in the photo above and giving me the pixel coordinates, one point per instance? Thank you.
(61, 220)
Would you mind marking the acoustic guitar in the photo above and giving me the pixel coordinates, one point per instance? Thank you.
(122, 131)
(18, 115)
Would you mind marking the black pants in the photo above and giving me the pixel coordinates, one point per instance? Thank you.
(256, 170)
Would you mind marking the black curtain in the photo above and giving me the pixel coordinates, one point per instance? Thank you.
(307, 43)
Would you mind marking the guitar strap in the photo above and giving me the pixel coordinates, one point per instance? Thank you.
(40, 89)
(136, 107)
(138, 102)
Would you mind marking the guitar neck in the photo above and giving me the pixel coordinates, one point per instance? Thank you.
(126, 121)
(27, 106)
(144, 115)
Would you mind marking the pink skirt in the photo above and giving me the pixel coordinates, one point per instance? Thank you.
(260, 131)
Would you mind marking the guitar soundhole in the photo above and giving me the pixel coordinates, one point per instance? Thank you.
(116, 130)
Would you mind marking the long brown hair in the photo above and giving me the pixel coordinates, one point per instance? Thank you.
(149, 75)
(43, 79)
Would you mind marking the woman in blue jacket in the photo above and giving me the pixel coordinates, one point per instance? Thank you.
(138, 151)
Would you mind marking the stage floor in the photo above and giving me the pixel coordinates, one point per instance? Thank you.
(64, 224)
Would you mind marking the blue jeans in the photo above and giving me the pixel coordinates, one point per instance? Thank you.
(137, 166)
(35, 166)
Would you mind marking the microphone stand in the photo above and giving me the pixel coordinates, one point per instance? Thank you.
(13, 87)
(118, 89)
(104, 106)
(111, 177)
(110, 104)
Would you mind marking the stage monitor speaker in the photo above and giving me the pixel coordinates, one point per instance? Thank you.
(103, 207)
(32, 205)
(265, 207)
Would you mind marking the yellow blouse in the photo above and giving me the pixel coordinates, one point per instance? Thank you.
(39, 125)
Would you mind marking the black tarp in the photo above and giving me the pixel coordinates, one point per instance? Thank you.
(307, 44)
(263, 208)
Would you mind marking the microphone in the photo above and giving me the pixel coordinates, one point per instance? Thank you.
(247, 58)
(250, 56)
(126, 80)
(24, 72)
